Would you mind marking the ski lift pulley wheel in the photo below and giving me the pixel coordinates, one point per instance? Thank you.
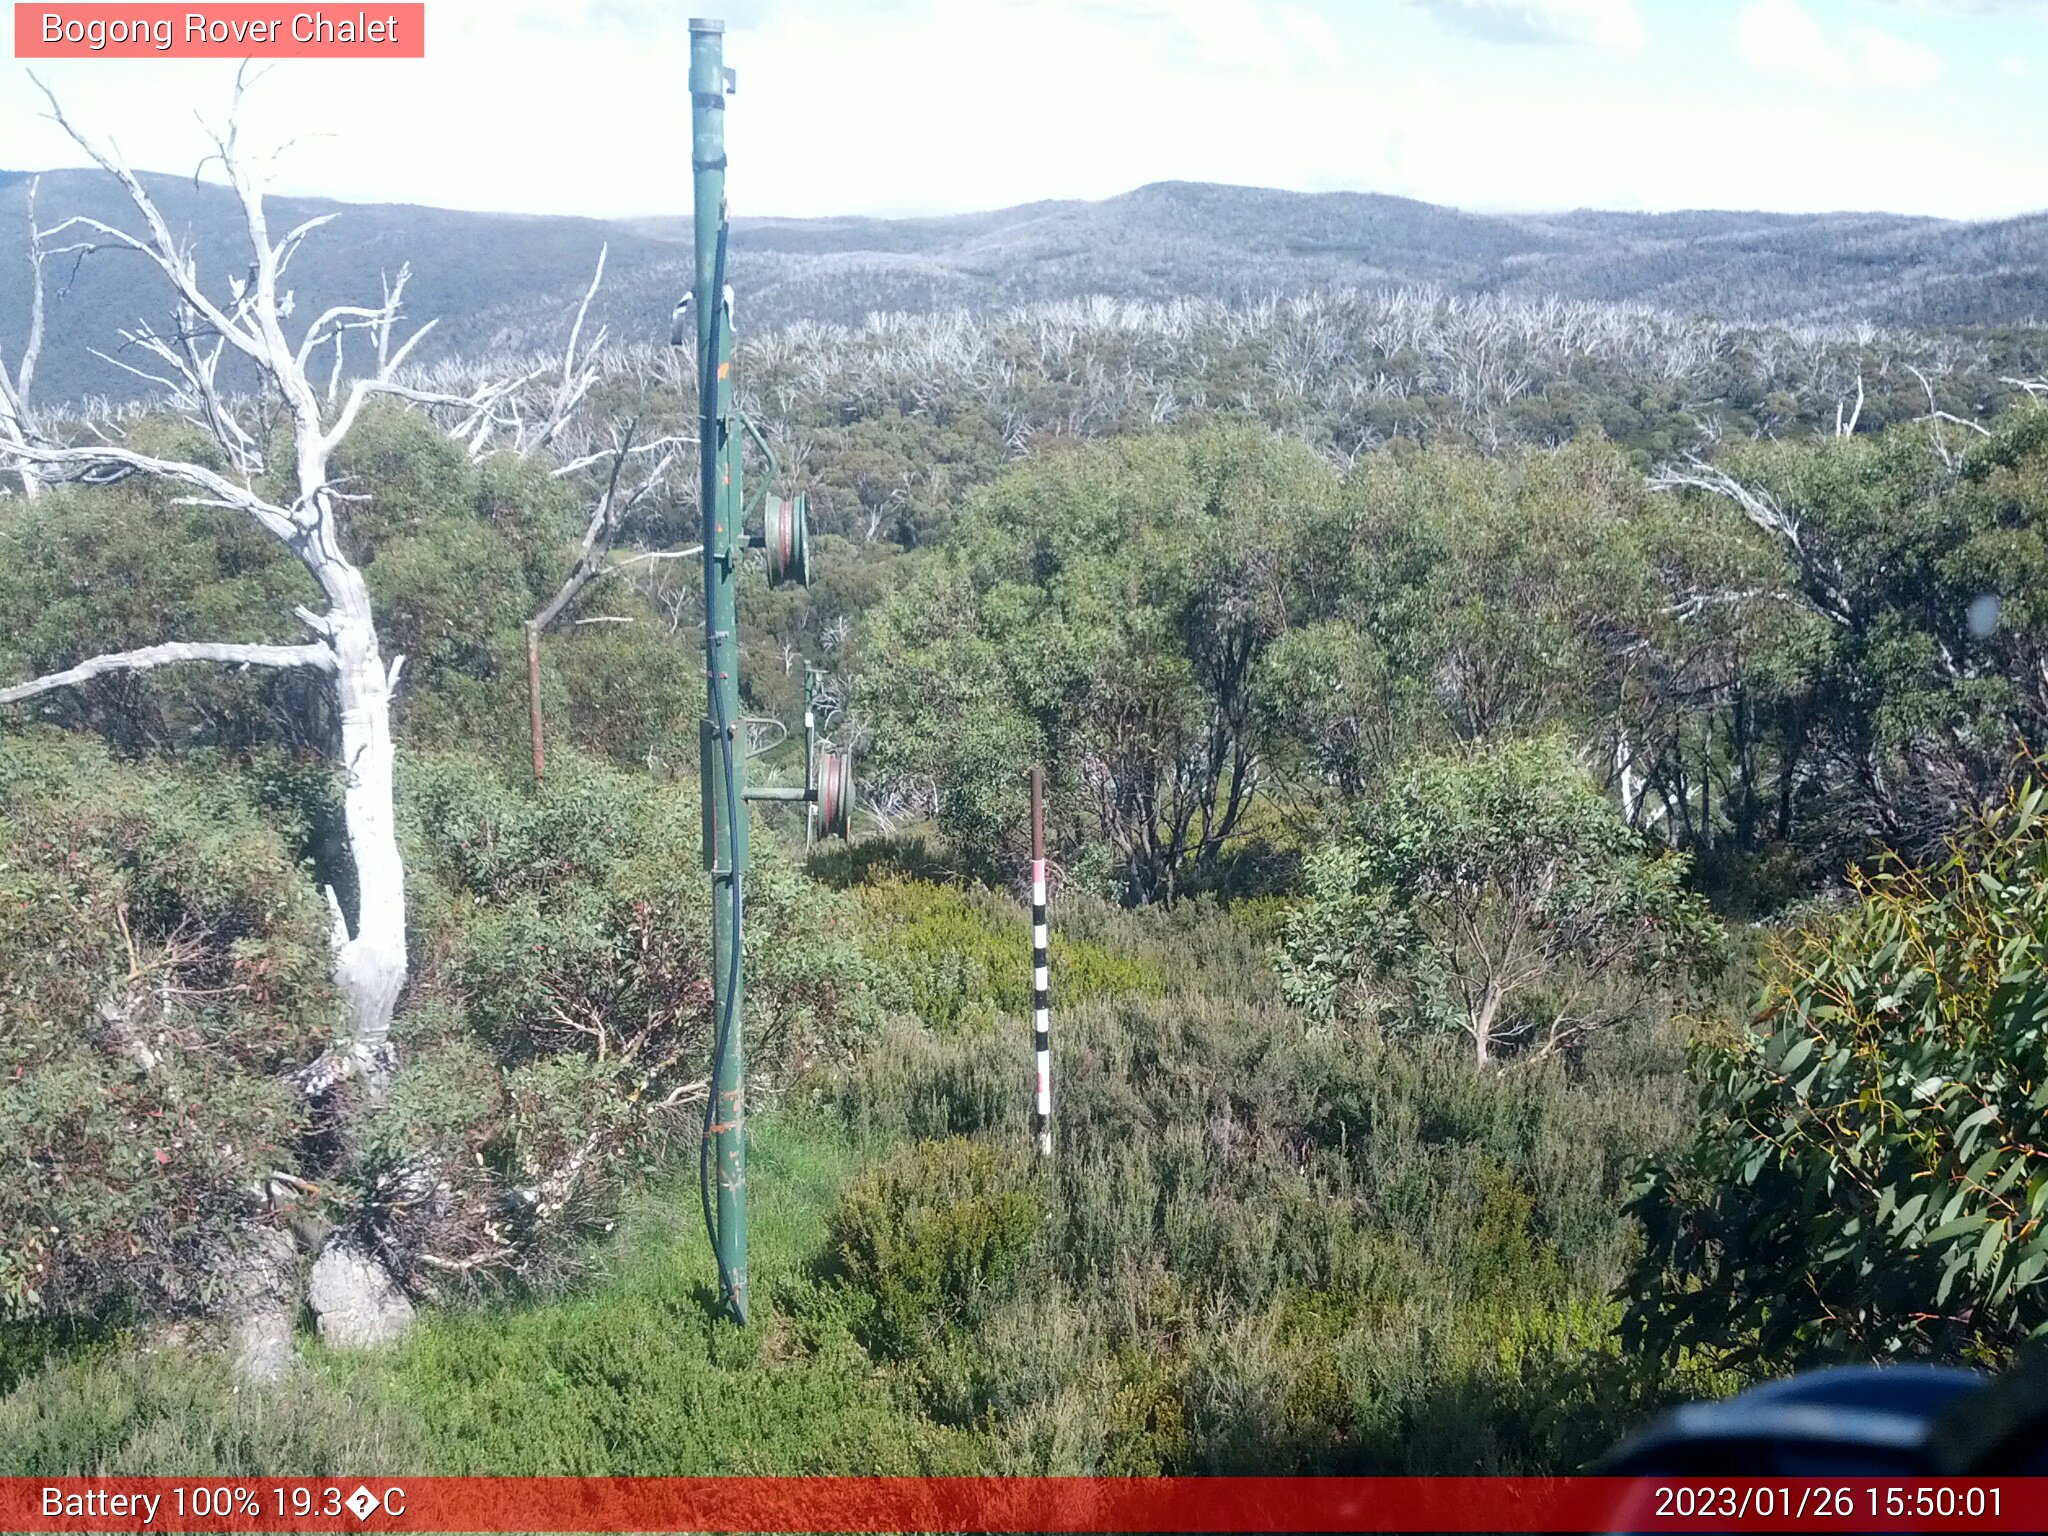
(785, 531)
(835, 795)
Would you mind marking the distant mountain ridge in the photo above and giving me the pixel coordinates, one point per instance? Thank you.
(506, 282)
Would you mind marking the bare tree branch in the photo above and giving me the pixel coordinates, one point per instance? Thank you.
(91, 463)
(606, 518)
(15, 422)
(1823, 575)
(1937, 416)
(162, 249)
(149, 657)
(576, 379)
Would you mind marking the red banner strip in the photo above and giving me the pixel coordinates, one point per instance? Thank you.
(241, 31)
(881, 1504)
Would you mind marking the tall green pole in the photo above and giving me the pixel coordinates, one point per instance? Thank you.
(722, 758)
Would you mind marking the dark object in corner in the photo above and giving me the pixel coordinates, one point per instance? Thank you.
(1854, 1421)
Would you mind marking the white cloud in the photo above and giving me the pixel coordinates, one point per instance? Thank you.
(1970, 7)
(1598, 23)
(580, 106)
(1878, 58)
(866, 106)
(1782, 37)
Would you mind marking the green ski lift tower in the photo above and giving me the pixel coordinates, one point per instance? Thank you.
(828, 775)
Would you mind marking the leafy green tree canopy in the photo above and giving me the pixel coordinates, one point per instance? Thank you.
(1496, 893)
(1104, 611)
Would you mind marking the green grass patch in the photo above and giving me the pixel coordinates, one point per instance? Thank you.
(638, 1374)
(170, 1411)
(633, 1373)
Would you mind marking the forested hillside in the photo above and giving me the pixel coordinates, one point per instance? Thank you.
(1548, 849)
(500, 281)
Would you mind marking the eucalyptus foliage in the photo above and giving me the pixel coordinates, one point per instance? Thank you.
(1498, 893)
(1870, 1176)
(1103, 611)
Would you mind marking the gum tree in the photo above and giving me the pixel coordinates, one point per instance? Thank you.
(1866, 1179)
(241, 320)
(1495, 892)
(1106, 611)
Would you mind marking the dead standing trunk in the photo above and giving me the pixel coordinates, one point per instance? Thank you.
(16, 425)
(533, 700)
(369, 963)
(1482, 1022)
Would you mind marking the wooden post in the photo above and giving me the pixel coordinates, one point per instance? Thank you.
(1041, 1012)
(533, 697)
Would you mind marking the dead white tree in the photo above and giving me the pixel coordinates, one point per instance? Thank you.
(369, 963)
(17, 426)
(1936, 416)
(1845, 426)
(613, 507)
(578, 375)
(1824, 583)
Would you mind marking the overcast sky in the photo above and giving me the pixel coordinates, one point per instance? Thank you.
(918, 106)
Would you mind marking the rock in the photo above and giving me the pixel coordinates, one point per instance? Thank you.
(265, 1308)
(353, 1296)
(263, 1347)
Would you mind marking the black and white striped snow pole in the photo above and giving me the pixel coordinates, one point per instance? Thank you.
(1041, 1010)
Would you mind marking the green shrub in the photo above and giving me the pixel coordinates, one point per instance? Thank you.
(1496, 893)
(163, 968)
(169, 1411)
(909, 1083)
(929, 1233)
(91, 570)
(1200, 947)
(1269, 1249)
(1866, 1178)
(631, 693)
(558, 1023)
(878, 860)
(965, 956)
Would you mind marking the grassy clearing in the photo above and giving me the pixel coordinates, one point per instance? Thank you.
(629, 1374)
(1264, 1247)
(635, 1374)
(171, 1411)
